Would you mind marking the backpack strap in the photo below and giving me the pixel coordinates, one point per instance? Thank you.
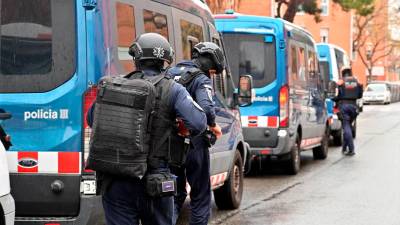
(189, 75)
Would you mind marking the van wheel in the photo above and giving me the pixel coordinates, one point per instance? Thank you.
(321, 152)
(292, 166)
(229, 196)
(338, 137)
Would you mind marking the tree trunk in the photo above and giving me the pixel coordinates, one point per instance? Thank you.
(291, 11)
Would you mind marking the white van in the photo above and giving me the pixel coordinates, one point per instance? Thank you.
(7, 205)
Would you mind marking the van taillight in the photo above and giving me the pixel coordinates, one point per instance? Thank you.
(284, 106)
(90, 97)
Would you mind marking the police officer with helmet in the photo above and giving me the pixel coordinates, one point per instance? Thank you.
(349, 90)
(195, 75)
(126, 200)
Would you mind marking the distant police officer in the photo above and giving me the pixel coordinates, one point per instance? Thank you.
(126, 200)
(349, 90)
(207, 59)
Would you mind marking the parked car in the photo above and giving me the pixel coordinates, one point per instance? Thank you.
(289, 113)
(377, 93)
(7, 205)
(50, 86)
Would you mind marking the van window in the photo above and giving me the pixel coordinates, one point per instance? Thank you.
(324, 69)
(312, 67)
(250, 54)
(191, 35)
(293, 63)
(155, 22)
(301, 64)
(126, 33)
(37, 50)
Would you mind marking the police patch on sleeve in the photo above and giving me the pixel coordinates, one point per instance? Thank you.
(195, 103)
(209, 92)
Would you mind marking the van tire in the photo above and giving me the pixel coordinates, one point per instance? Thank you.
(229, 196)
(337, 137)
(321, 152)
(292, 166)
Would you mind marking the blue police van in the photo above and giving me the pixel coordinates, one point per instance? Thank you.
(53, 53)
(289, 113)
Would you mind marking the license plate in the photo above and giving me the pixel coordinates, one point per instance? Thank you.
(89, 187)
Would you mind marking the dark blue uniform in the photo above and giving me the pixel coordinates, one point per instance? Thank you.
(125, 200)
(198, 159)
(349, 92)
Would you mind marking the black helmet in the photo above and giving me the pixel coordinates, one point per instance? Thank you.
(151, 46)
(209, 48)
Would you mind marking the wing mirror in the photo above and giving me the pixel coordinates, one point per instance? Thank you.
(331, 92)
(246, 95)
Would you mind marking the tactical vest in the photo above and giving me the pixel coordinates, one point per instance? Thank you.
(132, 122)
(350, 89)
(163, 125)
(188, 76)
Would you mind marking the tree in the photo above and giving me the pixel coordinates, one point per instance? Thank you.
(372, 38)
(294, 6)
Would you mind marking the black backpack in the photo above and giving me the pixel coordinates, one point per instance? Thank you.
(120, 141)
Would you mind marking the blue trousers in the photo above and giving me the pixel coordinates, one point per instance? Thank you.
(349, 113)
(125, 203)
(197, 173)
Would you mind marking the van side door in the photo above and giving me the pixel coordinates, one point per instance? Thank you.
(227, 115)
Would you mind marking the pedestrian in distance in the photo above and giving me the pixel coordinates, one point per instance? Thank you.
(132, 121)
(196, 76)
(349, 90)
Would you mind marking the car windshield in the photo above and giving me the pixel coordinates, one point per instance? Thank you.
(376, 88)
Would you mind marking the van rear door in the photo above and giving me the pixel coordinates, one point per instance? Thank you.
(39, 85)
(255, 55)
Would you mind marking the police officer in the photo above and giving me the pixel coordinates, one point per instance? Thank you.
(207, 59)
(125, 200)
(349, 90)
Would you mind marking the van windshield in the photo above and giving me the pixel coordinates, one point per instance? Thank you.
(37, 48)
(376, 87)
(250, 54)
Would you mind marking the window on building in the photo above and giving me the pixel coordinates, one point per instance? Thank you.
(324, 33)
(191, 35)
(155, 22)
(126, 33)
(325, 7)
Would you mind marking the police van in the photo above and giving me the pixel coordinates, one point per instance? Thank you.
(331, 59)
(53, 53)
(289, 113)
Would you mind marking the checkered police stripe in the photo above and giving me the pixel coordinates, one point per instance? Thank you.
(44, 162)
(260, 121)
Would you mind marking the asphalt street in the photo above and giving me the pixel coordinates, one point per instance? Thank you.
(341, 190)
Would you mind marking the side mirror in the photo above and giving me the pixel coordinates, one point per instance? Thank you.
(331, 92)
(5, 116)
(245, 97)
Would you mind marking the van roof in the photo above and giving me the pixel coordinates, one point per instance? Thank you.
(196, 7)
(253, 18)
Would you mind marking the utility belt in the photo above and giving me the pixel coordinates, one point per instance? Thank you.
(348, 101)
(160, 184)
